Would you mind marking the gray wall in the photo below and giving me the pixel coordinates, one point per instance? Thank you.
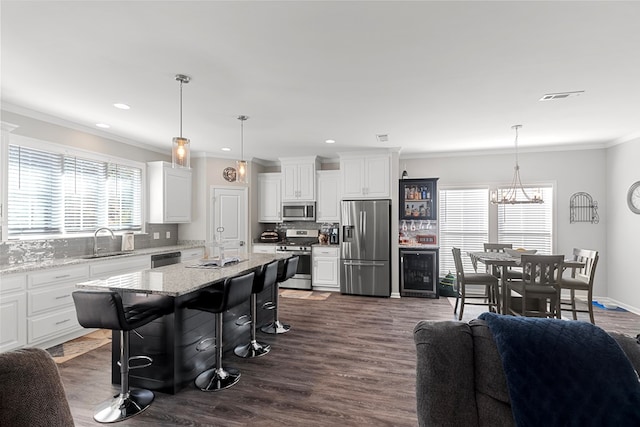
(623, 226)
(606, 174)
(568, 171)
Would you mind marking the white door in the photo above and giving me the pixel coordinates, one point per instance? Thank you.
(229, 214)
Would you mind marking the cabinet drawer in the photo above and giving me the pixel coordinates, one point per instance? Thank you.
(326, 251)
(264, 249)
(60, 275)
(48, 326)
(43, 300)
(13, 283)
(191, 254)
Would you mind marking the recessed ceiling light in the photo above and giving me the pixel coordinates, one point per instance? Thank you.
(103, 125)
(121, 106)
(226, 149)
(330, 141)
(560, 95)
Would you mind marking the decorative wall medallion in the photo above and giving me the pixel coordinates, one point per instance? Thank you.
(229, 174)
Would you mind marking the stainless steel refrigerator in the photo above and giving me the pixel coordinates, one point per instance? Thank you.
(365, 264)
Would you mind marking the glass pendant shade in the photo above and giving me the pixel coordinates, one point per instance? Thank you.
(180, 148)
(241, 171)
(181, 153)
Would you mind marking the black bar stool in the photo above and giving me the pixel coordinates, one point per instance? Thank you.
(105, 310)
(265, 277)
(235, 290)
(289, 270)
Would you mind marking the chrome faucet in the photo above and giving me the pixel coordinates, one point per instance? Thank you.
(95, 238)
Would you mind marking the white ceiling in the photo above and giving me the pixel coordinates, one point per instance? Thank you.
(434, 76)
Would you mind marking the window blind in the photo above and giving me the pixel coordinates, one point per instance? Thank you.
(83, 195)
(56, 193)
(528, 226)
(34, 191)
(124, 197)
(464, 224)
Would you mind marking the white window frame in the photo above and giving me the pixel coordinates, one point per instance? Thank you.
(493, 218)
(68, 151)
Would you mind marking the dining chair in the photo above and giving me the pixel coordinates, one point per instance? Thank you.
(490, 296)
(500, 247)
(540, 284)
(581, 280)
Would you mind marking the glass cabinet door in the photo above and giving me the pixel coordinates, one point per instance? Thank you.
(418, 199)
(419, 273)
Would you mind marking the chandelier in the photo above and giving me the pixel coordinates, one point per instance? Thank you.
(180, 146)
(241, 165)
(515, 194)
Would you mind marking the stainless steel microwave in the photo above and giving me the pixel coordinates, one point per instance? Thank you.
(298, 211)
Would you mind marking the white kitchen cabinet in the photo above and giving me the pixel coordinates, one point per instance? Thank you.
(299, 179)
(366, 176)
(191, 254)
(269, 197)
(328, 203)
(326, 263)
(51, 315)
(169, 193)
(13, 312)
(263, 249)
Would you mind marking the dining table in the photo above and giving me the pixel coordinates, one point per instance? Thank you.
(503, 261)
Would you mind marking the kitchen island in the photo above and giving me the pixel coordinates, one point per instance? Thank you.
(181, 343)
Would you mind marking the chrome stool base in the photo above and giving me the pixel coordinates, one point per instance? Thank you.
(123, 406)
(253, 349)
(276, 327)
(215, 379)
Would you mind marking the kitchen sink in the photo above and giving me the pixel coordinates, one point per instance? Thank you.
(104, 255)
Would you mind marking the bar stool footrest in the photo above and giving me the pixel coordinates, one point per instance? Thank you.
(243, 320)
(269, 305)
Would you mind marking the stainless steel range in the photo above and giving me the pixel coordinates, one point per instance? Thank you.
(298, 242)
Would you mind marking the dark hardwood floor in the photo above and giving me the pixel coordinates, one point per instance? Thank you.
(347, 361)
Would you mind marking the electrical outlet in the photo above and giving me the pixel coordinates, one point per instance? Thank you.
(168, 234)
(156, 235)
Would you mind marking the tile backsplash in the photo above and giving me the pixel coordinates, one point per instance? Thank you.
(23, 251)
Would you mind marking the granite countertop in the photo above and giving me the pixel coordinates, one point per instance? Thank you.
(178, 279)
(63, 262)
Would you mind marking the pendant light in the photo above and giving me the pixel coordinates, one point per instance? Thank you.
(180, 149)
(241, 165)
(509, 196)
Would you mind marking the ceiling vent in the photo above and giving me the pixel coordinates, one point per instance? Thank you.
(382, 137)
(561, 95)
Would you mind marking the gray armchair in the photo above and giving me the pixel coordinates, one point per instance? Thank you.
(31, 391)
(460, 379)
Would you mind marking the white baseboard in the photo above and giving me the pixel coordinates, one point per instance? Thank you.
(607, 300)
